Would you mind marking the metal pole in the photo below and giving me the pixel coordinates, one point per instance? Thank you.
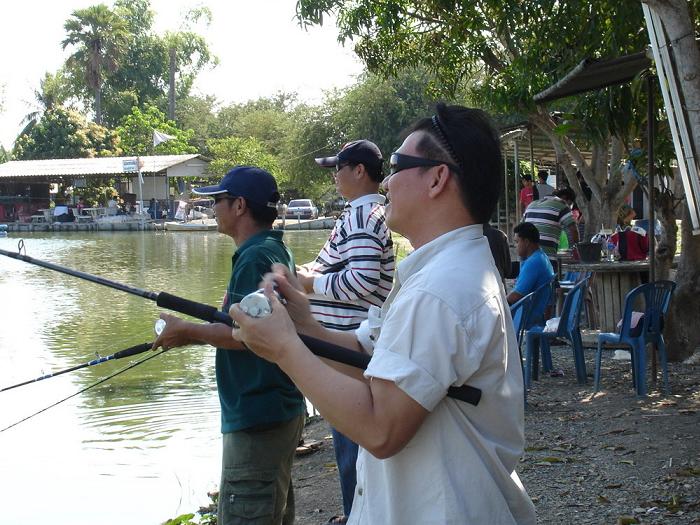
(650, 177)
(532, 153)
(505, 198)
(516, 185)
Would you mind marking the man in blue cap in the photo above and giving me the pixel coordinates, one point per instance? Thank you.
(262, 412)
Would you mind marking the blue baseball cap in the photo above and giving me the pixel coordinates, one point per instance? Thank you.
(255, 184)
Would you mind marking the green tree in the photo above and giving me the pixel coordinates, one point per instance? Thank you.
(53, 92)
(237, 151)
(505, 52)
(136, 133)
(198, 114)
(66, 134)
(141, 73)
(374, 108)
(100, 39)
(501, 54)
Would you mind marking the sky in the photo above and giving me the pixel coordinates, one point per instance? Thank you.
(260, 46)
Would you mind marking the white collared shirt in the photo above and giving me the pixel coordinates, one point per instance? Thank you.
(447, 323)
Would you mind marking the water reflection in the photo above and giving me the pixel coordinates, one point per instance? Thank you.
(148, 438)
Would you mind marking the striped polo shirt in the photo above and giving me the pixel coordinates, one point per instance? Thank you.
(550, 216)
(356, 265)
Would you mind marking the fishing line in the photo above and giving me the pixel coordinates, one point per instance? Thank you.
(205, 312)
(92, 385)
(127, 352)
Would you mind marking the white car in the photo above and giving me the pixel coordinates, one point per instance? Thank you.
(302, 208)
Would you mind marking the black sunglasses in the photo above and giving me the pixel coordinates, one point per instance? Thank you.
(399, 162)
(340, 165)
(223, 196)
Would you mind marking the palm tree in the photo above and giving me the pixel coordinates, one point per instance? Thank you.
(100, 37)
(53, 92)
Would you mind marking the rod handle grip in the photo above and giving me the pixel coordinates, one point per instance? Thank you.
(321, 348)
(198, 310)
(127, 352)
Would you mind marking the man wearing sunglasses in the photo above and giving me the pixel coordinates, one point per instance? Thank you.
(424, 457)
(353, 271)
(262, 412)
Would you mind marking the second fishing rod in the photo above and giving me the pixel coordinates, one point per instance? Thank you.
(211, 314)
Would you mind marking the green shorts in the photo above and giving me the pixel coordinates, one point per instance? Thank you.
(256, 474)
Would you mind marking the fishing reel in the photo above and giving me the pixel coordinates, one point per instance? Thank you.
(256, 304)
(159, 326)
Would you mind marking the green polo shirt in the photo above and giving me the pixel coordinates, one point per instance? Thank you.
(253, 391)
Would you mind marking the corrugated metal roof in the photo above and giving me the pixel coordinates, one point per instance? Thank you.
(83, 167)
(591, 74)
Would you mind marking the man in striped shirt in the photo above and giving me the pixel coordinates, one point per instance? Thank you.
(551, 215)
(354, 270)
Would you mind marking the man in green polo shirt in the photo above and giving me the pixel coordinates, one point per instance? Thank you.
(262, 412)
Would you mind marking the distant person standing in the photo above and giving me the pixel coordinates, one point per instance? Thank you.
(632, 242)
(353, 271)
(552, 215)
(543, 189)
(527, 193)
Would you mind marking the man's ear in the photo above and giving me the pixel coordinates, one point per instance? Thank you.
(240, 206)
(438, 180)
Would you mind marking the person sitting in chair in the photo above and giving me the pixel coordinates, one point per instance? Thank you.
(535, 268)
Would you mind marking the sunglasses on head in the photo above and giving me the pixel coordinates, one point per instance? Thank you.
(399, 162)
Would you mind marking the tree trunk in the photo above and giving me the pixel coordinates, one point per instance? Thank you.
(171, 83)
(666, 248)
(98, 105)
(608, 189)
(681, 332)
(682, 335)
(676, 19)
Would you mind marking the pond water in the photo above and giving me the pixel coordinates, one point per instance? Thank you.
(143, 446)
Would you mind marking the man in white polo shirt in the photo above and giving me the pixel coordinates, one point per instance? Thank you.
(353, 271)
(424, 457)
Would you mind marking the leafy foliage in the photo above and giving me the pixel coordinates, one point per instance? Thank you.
(139, 73)
(136, 132)
(65, 134)
(100, 38)
(237, 151)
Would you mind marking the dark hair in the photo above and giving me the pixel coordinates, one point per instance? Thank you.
(542, 174)
(566, 194)
(467, 138)
(527, 230)
(263, 216)
(373, 172)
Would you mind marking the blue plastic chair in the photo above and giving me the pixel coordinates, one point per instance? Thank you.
(520, 312)
(540, 300)
(657, 297)
(569, 328)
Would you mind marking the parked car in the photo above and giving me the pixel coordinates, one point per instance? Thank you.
(302, 208)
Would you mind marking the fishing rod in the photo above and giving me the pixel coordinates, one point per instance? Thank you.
(90, 386)
(127, 352)
(211, 314)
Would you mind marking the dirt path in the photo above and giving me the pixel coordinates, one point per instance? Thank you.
(589, 459)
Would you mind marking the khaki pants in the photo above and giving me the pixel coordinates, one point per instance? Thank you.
(256, 474)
